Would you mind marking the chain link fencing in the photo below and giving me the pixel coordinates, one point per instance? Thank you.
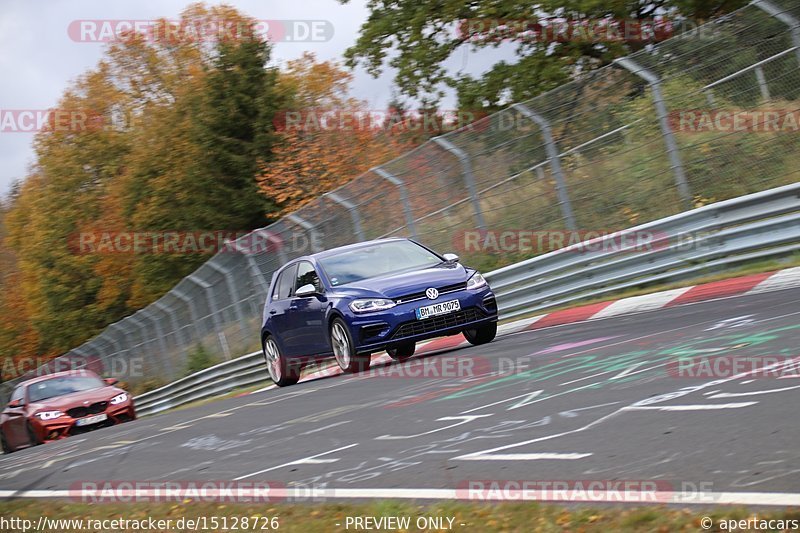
(617, 147)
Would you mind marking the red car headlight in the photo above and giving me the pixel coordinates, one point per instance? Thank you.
(48, 415)
(119, 398)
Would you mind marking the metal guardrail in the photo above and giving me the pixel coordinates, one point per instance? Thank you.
(719, 235)
(214, 381)
(759, 225)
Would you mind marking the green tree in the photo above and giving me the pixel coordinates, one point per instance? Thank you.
(416, 38)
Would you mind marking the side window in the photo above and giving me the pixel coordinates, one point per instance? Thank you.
(307, 275)
(18, 394)
(285, 284)
(276, 289)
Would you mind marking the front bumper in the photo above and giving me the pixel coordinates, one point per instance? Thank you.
(399, 325)
(65, 425)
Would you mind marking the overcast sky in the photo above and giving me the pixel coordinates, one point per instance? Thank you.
(39, 58)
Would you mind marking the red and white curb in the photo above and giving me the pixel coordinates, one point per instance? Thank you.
(752, 284)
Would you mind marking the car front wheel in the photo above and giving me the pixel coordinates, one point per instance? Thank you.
(402, 351)
(344, 349)
(481, 334)
(280, 370)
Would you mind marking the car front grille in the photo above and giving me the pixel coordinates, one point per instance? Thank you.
(438, 323)
(93, 409)
(421, 294)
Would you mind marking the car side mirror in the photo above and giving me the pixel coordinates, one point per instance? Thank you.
(15, 403)
(111, 381)
(451, 258)
(306, 290)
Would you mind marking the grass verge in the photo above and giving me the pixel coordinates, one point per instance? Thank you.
(508, 517)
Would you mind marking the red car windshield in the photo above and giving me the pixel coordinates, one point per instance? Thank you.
(62, 385)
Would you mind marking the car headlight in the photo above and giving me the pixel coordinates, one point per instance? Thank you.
(476, 281)
(367, 305)
(119, 398)
(49, 415)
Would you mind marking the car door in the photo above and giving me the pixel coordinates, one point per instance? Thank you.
(14, 425)
(307, 315)
(279, 306)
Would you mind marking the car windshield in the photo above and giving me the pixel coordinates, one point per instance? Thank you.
(62, 385)
(377, 260)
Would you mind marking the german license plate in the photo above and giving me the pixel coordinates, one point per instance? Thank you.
(442, 308)
(91, 420)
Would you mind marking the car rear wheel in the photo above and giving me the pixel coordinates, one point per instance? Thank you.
(344, 350)
(280, 370)
(4, 443)
(402, 352)
(481, 334)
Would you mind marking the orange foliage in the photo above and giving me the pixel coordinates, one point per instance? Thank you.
(306, 163)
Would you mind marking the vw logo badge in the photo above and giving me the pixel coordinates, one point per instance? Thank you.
(432, 293)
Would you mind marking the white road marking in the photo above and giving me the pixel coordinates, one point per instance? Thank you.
(484, 453)
(628, 370)
(735, 322)
(698, 407)
(528, 456)
(305, 460)
(526, 400)
(705, 498)
(751, 393)
(463, 420)
(326, 427)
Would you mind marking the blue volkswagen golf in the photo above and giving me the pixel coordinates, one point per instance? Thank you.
(352, 301)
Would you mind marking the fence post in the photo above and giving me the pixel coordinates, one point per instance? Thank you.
(180, 295)
(235, 297)
(109, 340)
(274, 239)
(179, 333)
(401, 186)
(162, 345)
(251, 261)
(352, 209)
(212, 308)
(309, 227)
(82, 353)
(469, 177)
(128, 337)
(666, 131)
(762, 84)
(555, 163)
(784, 16)
(142, 330)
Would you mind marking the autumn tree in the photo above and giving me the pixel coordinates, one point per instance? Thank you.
(176, 132)
(325, 136)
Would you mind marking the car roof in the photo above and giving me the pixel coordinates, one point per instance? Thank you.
(37, 379)
(340, 249)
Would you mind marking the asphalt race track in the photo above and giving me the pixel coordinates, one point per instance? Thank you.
(599, 400)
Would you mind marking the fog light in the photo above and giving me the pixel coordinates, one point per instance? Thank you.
(53, 435)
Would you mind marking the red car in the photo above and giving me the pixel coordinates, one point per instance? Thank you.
(58, 405)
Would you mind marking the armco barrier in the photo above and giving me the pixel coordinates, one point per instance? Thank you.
(760, 225)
